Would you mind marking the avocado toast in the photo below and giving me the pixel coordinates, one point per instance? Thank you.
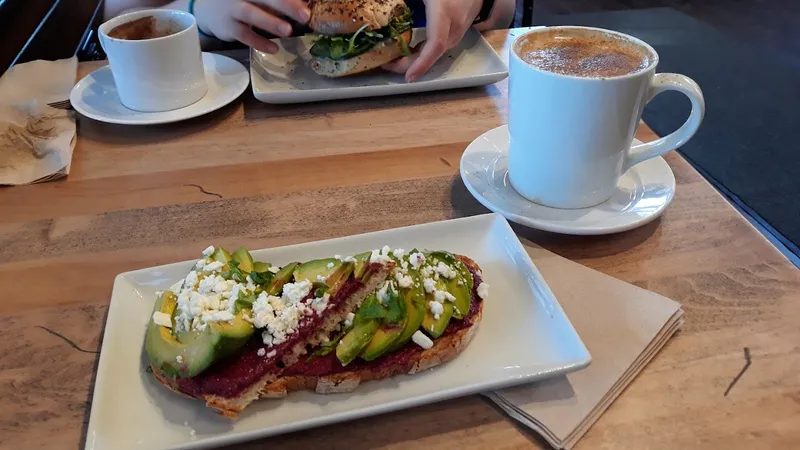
(235, 329)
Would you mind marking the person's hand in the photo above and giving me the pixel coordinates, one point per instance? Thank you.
(230, 20)
(447, 22)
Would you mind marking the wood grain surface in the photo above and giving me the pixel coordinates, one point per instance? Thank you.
(261, 176)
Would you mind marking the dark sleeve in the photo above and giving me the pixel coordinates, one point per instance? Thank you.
(417, 12)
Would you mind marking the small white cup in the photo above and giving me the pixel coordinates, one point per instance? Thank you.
(158, 74)
(570, 136)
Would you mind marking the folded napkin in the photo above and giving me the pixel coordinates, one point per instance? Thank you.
(623, 327)
(36, 141)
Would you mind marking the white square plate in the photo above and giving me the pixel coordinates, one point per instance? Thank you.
(287, 77)
(524, 336)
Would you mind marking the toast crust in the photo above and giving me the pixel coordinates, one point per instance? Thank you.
(444, 349)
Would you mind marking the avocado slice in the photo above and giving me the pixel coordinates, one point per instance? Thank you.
(365, 325)
(433, 327)
(339, 276)
(282, 277)
(462, 292)
(362, 261)
(221, 255)
(261, 267)
(391, 328)
(415, 306)
(197, 349)
(242, 256)
(319, 267)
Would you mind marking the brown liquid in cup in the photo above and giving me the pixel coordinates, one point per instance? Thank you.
(147, 27)
(582, 53)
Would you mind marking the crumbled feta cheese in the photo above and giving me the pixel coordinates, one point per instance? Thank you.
(483, 291)
(383, 293)
(404, 281)
(426, 272)
(319, 304)
(460, 282)
(321, 278)
(445, 270)
(209, 251)
(261, 352)
(339, 257)
(330, 266)
(441, 296)
(404, 266)
(163, 319)
(179, 359)
(349, 259)
(430, 285)
(399, 253)
(294, 292)
(274, 269)
(272, 354)
(380, 256)
(191, 280)
(348, 321)
(436, 308)
(416, 259)
(422, 340)
(209, 283)
(214, 266)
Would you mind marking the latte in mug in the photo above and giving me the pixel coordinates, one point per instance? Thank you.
(581, 54)
(576, 95)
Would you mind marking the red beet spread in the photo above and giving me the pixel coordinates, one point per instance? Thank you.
(230, 377)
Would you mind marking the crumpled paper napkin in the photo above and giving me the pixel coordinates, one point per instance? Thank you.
(36, 140)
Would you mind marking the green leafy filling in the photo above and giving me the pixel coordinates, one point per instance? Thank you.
(344, 46)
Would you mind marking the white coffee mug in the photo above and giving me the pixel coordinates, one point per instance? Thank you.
(158, 74)
(570, 136)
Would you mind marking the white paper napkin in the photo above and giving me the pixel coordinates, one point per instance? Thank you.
(36, 141)
(623, 327)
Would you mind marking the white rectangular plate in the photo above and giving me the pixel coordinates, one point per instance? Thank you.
(287, 77)
(524, 336)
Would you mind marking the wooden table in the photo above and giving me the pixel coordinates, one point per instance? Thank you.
(263, 176)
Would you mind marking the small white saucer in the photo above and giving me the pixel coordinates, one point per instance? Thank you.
(95, 96)
(642, 194)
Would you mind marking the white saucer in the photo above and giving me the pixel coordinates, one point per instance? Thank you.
(642, 194)
(95, 96)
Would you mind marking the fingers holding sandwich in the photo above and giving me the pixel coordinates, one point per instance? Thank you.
(233, 20)
(447, 22)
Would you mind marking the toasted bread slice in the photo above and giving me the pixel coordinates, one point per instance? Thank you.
(232, 406)
(444, 349)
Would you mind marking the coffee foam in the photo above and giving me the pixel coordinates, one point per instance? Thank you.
(583, 53)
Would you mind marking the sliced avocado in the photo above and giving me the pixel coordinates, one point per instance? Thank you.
(319, 267)
(261, 267)
(197, 349)
(362, 261)
(221, 255)
(242, 256)
(433, 327)
(462, 292)
(391, 328)
(338, 277)
(414, 298)
(282, 277)
(355, 340)
(382, 341)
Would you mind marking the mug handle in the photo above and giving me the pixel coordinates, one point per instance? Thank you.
(670, 82)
